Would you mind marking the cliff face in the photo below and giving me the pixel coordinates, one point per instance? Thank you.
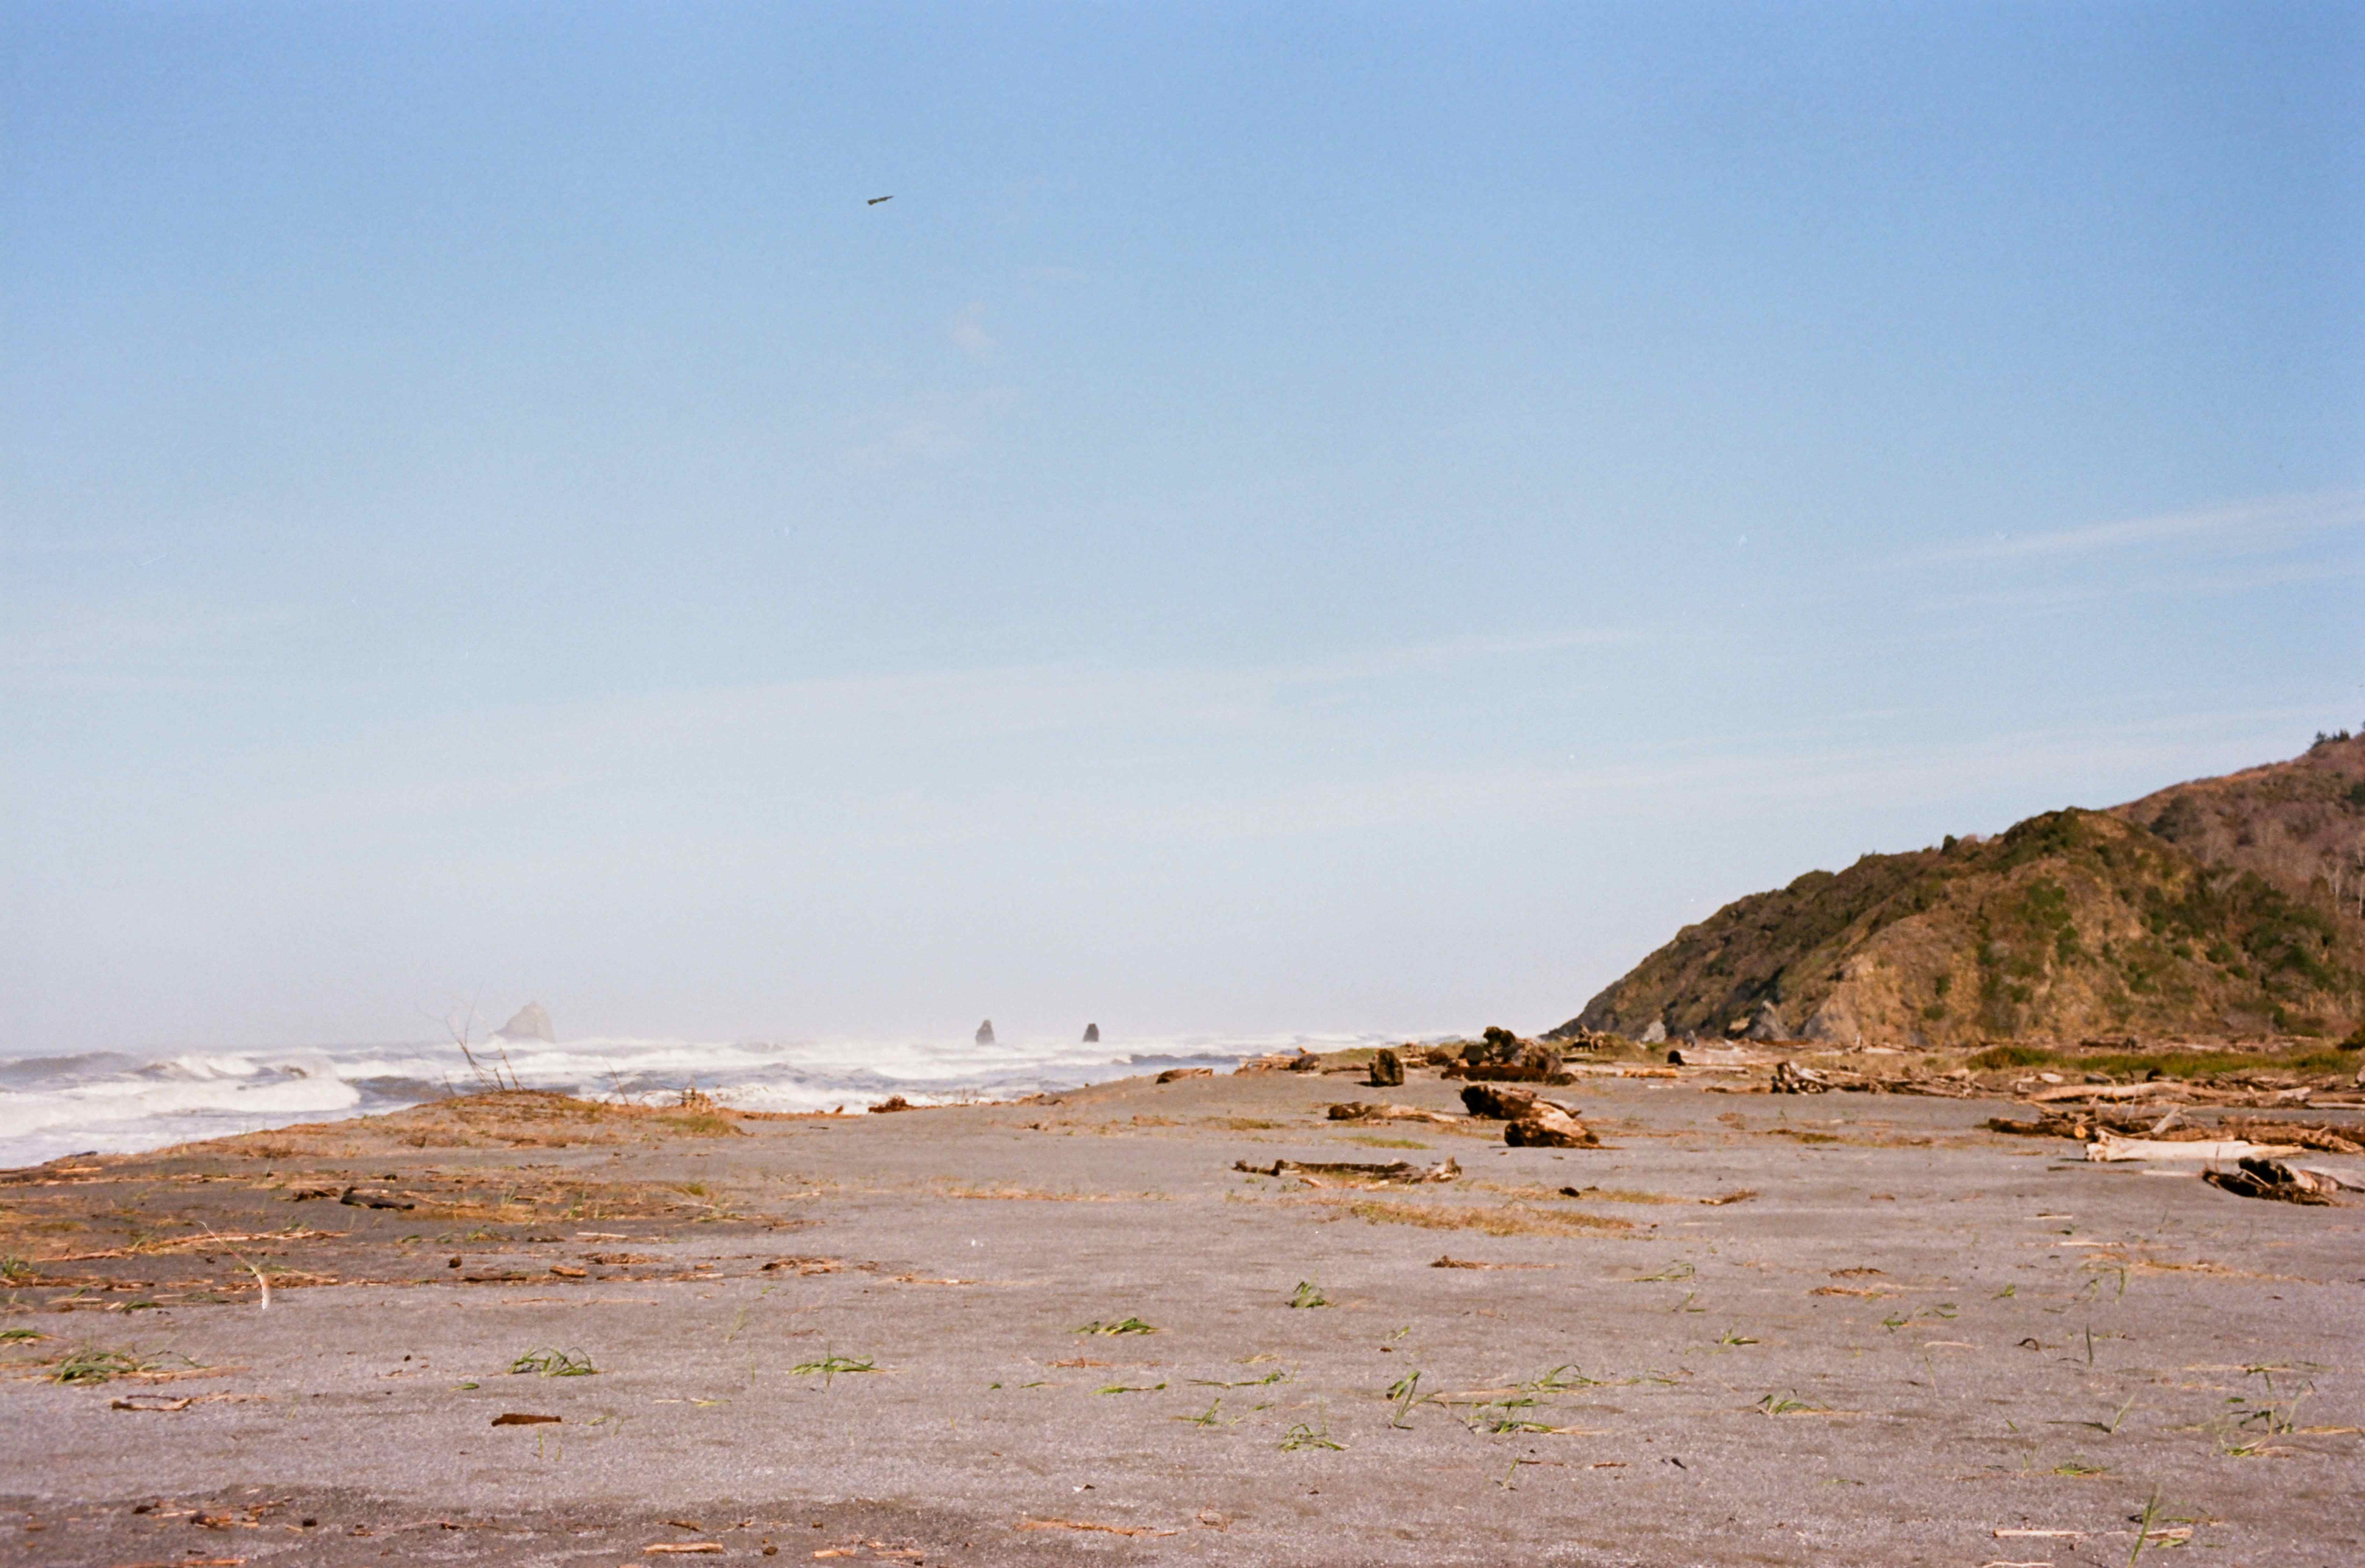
(2225, 907)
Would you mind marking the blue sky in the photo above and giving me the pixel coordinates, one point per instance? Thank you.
(1292, 517)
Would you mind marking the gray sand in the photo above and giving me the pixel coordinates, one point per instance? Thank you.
(1966, 1333)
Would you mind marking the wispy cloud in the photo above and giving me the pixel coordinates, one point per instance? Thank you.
(968, 330)
(2268, 522)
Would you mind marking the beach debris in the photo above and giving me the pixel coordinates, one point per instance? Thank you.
(2259, 1178)
(520, 1419)
(1387, 1069)
(892, 1102)
(304, 1192)
(152, 1402)
(1305, 1062)
(375, 1198)
(569, 1271)
(2085, 1123)
(1092, 1034)
(1369, 1111)
(2111, 1147)
(550, 1362)
(1708, 1056)
(1789, 1077)
(1497, 1105)
(1090, 1525)
(1177, 1074)
(1547, 1126)
(1392, 1170)
(1119, 1326)
(680, 1548)
(2105, 1092)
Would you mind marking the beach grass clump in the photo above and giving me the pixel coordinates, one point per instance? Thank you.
(1119, 1326)
(1787, 1404)
(1303, 1436)
(1308, 1295)
(550, 1362)
(90, 1364)
(831, 1364)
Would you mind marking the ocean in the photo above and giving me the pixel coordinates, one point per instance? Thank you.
(118, 1102)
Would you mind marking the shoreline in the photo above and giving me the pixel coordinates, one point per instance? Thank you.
(1786, 1294)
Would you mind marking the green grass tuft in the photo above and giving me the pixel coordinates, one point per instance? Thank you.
(550, 1362)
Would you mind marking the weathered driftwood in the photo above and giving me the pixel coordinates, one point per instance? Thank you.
(1710, 1056)
(1548, 1127)
(1394, 1171)
(1176, 1074)
(2104, 1092)
(1508, 1104)
(2325, 1138)
(2257, 1177)
(2111, 1147)
(1508, 1072)
(1789, 1077)
(1366, 1111)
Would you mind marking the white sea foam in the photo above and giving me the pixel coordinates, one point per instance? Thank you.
(114, 1102)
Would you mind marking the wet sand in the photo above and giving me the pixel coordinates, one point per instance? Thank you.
(1916, 1338)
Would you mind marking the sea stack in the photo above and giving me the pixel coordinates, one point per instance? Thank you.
(985, 1032)
(532, 1022)
(1092, 1034)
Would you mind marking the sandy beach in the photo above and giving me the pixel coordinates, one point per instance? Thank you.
(1764, 1329)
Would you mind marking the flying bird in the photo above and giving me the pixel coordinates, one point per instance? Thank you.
(874, 201)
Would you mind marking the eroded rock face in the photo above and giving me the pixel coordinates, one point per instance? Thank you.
(1656, 1034)
(985, 1032)
(1833, 1024)
(532, 1022)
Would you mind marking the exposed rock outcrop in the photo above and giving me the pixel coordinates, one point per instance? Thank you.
(530, 1023)
(2225, 907)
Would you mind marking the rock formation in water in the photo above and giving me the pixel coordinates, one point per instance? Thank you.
(1092, 1034)
(985, 1032)
(532, 1022)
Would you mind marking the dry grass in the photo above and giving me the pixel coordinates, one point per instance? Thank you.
(1034, 1194)
(1510, 1220)
(509, 1118)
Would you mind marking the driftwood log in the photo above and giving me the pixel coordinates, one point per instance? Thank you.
(1394, 1171)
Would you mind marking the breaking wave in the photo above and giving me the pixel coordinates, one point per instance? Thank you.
(114, 1102)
